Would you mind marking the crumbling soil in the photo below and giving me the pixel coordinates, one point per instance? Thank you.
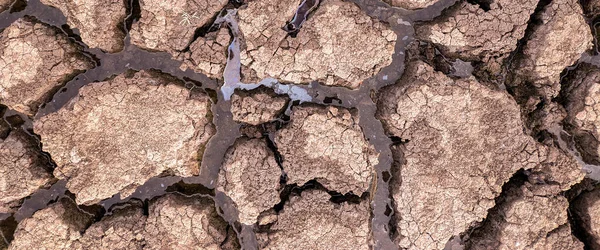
(308, 124)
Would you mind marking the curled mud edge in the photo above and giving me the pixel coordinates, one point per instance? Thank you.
(132, 58)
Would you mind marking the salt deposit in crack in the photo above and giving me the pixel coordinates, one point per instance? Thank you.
(117, 134)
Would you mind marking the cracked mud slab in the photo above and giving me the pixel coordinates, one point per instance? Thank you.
(183, 223)
(208, 54)
(35, 59)
(22, 170)
(311, 221)
(171, 27)
(100, 23)
(250, 177)
(463, 142)
(317, 53)
(117, 134)
(528, 217)
(471, 33)
(173, 222)
(554, 45)
(257, 107)
(326, 144)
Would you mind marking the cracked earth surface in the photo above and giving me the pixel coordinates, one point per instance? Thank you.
(329, 124)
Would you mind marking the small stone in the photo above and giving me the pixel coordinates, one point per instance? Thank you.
(311, 221)
(328, 145)
(101, 23)
(250, 177)
(257, 107)
(22, 169)
(35, 59)
(117, 134)
(320, 50)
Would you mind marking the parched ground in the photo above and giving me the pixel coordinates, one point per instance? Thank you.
(269, 124)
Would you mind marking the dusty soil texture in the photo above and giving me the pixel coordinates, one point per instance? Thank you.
(326, 144)
(305, 124)
(117, 134)
(310, 220)
(100, 23)
(250, 177)
(35, 59)
(316, 53)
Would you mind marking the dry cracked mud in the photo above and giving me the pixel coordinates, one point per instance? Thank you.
(306, 124)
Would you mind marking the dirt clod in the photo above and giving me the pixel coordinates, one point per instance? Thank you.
(473, 34)
(117, 134)
(250, 177)
(411, 4)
